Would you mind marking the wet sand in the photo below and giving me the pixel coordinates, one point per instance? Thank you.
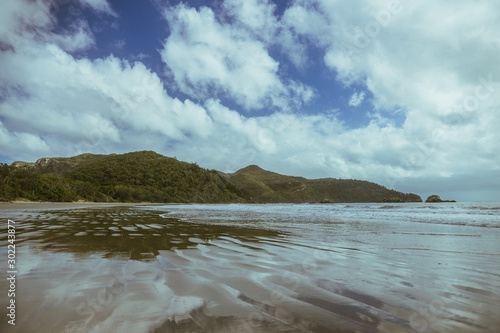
(66, 205)
(128, 269)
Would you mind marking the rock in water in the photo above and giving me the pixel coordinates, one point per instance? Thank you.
(437, 198)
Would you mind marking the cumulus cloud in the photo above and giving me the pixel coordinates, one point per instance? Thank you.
(357, 98)
(208, 57)
(80, 104)
(52, 103)
(22, 22)
(23, 19)
(381, 46)
(102, 6)
(257, 16)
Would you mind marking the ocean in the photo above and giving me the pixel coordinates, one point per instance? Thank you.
(413, 267)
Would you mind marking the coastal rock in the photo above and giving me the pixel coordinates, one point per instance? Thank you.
(393, 199)
(437, 198)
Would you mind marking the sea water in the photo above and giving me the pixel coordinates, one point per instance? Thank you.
(258, 268)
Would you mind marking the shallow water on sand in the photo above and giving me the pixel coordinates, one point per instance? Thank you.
(257, 268)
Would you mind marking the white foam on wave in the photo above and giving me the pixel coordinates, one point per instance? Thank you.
(279, 216)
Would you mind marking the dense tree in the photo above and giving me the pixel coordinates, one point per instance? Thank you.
(140, 176)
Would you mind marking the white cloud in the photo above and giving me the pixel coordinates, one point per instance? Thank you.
(210, 58)
(79, 39)
(372, 45)
(22, 22)
(357, 98)
(257, 16)
(99, 6)
(258, 19)
(104, 104)
(23, 19)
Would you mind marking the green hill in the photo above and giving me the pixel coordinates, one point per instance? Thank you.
(150, 177)
(133, 177)
(258, 185)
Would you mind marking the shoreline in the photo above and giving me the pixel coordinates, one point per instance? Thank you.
(92, 270)
(13, 205)
(70, 205)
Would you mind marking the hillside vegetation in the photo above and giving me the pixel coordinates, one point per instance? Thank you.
(150, 177)
(134, 177)
(258, 185)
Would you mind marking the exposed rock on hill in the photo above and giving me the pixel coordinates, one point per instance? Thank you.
(22, 165)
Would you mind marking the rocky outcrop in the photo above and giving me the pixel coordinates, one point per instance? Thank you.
(437, 198)
(406, 198)
(58, 165)
(54, 165)
(23, 165)
(393, 199)
(325, 201)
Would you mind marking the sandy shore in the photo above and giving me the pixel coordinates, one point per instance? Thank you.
(67, 205)
(252, 268)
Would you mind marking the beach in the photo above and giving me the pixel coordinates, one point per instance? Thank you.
(254, 268)
(21, 205)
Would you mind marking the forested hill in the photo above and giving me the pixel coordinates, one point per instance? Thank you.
(134, 177)
(258, 185)
(150, 177)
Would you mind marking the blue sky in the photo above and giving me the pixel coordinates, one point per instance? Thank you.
(402, 93)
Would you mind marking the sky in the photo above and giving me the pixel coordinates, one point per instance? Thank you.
(402, 93)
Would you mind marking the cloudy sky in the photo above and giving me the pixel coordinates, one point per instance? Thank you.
(402, 93)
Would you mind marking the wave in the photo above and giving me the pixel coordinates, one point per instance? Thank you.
(289, 217)
(485, 208)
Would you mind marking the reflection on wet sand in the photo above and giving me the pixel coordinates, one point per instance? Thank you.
(131, 270)
(141, 233)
